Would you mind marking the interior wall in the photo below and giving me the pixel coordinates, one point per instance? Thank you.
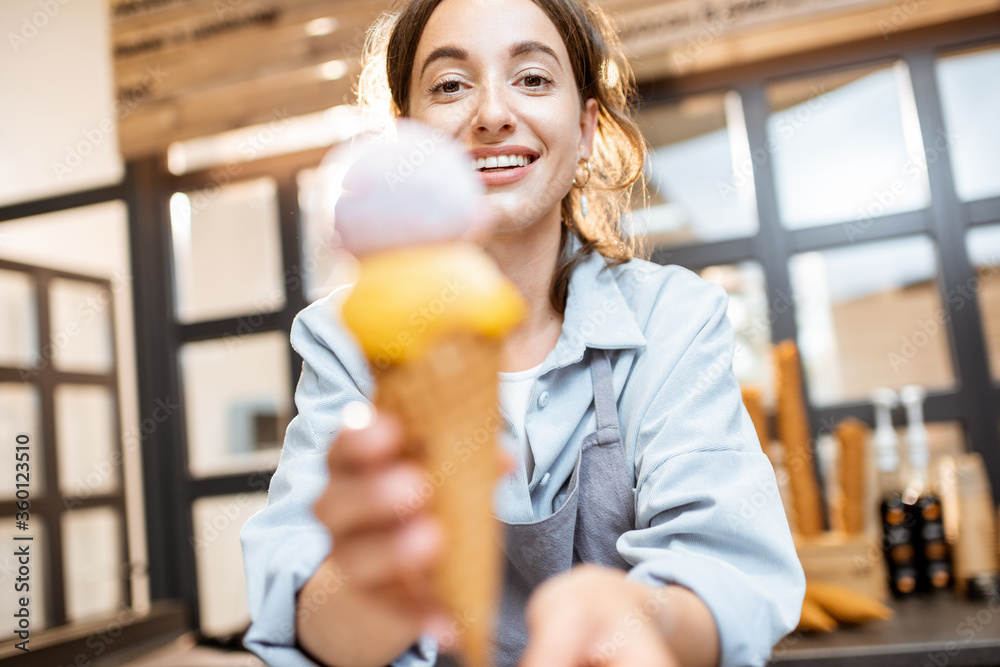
(58, 120)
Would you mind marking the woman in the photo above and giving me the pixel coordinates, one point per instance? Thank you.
(624, 360)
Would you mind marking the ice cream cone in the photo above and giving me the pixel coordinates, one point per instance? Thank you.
(430, 311)
(447, 402)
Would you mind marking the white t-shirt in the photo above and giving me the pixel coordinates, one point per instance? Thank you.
(515, 394)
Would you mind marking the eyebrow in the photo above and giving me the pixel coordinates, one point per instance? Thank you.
(532, 46)
(444, 52)
(457, 53)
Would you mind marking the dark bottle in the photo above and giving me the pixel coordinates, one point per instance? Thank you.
(898, 519)
(898, 522)
(933, 561)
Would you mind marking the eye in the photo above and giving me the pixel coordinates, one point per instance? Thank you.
(535, 80)
(448, 87)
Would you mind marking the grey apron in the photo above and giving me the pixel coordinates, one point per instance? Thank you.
(585, 529)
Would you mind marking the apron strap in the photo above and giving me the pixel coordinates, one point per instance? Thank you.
(605, 408)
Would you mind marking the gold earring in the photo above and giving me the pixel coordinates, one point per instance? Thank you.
(582, 183)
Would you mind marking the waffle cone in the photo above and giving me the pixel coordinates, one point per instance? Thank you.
(446, 400)
(793, 430)
(846, 605)
(853, 437)
(755, 408)
(814, 619)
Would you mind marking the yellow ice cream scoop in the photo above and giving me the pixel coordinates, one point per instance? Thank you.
(407, 298)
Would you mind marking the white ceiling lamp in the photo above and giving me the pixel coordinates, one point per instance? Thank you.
(333, 70)
(322, 26)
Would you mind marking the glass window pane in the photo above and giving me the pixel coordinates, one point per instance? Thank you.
(222, 598)
(846, 147)
(237, 402)
(983, 245)
(324, 267)
(93, 562)
(39, 549)
(870, 316)
(20, 412)
(81, 326)
(970, 98)
(87, 438)
(18, 321)
(700, 172)
(227, 251)
(751, 317)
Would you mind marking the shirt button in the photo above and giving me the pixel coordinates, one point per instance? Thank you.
(543, 399)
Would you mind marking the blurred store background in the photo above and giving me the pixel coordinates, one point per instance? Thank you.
(833, 164)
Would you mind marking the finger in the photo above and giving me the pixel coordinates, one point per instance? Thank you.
(508, 463)
(373, 444)
(383, 558)
(354, 502)
(630, 651)
(558, 636)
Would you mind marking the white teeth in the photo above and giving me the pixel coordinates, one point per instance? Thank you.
(501, 162)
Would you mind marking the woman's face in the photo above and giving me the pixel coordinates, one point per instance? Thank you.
(496, 75)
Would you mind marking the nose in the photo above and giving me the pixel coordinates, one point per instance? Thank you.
(493, 116)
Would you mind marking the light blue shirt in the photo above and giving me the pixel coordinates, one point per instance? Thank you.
(708, 513)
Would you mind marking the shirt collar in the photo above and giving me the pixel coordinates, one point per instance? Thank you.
(597, 314)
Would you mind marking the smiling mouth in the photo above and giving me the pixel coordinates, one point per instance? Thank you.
(501, 163)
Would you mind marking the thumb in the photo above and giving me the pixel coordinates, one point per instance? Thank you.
(558, 635)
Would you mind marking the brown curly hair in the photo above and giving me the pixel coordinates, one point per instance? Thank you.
(601, 71)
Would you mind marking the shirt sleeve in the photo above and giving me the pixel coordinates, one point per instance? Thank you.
(284, 544)
(708, 513)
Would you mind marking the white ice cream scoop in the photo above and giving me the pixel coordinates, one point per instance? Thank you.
(416, 188)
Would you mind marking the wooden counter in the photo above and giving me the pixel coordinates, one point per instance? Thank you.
(937, 631)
